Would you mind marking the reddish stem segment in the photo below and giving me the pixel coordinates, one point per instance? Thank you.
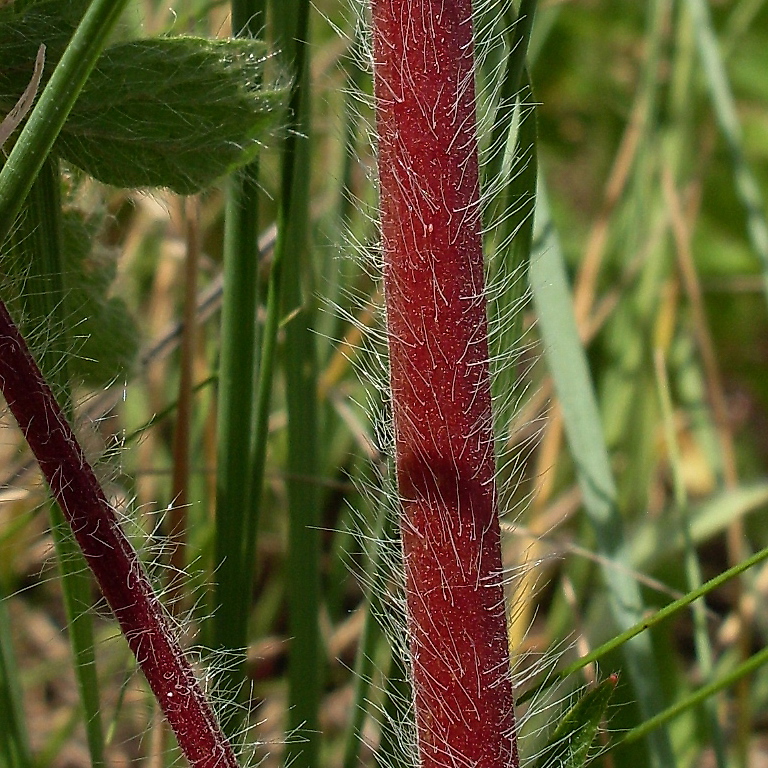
(434, 289)
(109, 553)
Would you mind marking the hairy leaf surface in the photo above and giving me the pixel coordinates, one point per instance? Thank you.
(171, 112)
(176, 112)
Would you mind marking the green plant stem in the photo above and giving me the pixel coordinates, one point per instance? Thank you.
(647, 623)
(305, 673)
(384, 531)
(519, 34)
(53, 107)
(397, 702)
(14, 744)
(703, 647)
(177, 513)
(703, 694)
(235, 499)
(747, 186)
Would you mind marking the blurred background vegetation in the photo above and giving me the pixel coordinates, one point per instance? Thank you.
(653, 165)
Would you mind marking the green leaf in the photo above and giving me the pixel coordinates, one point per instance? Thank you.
(106, 334)
(570, 742)
(171, 112)
(22, 29)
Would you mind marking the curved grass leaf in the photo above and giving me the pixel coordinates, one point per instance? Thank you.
(723, 104)
(171, 112)
(570, 742)
(567, 361)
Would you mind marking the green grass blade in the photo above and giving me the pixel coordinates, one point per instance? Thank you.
(567, 362)
(14, 742)
(513, 235)
(393, 751)
(385, 531)
(234, 496)
(704, 653)
(305, 672)
(650, 621)
(745, 669)
(656, 543)
(55, 103)
(723, 103)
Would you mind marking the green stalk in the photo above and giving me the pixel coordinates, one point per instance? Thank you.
(48, 117)
(235, 498)
(704, 654)
(647, 623)
(509, 170)
(703, 694)
(305, 673)
(397, 701)
(384, 531)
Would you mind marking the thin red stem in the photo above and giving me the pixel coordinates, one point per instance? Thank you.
(109, 554)
(439, 374)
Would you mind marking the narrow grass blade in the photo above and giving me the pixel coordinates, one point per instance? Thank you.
(743, 670)
(650, 621)
(384, 531)
(305, 672)
(511, 220)
(393, 751)
(704, 653)
(568, 365)
(235, 498)
(14, 741)
(724, 105)
(654, 543)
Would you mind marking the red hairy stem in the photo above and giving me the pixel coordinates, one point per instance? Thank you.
(439, 375)
(109, 554)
